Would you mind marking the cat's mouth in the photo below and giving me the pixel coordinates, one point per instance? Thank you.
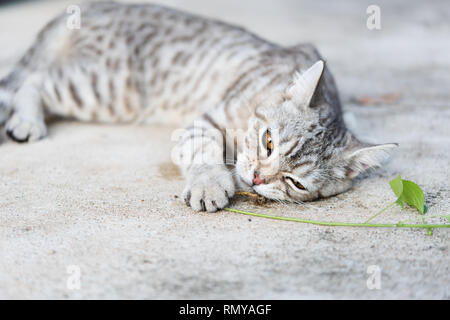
(258, 189)
(268, 192)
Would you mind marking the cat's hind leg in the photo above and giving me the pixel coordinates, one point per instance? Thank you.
(20, 90)
(5, 104)
(27, 120)
(8, 87)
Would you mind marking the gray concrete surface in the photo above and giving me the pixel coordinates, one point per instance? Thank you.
(103, 198)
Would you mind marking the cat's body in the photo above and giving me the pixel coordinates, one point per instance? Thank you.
(146, 63)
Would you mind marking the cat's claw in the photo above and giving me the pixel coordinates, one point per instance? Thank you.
(24, 130)
(209, 191)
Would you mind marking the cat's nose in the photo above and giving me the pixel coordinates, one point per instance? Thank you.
(257, 179)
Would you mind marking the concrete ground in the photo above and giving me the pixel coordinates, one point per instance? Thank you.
(104, 198)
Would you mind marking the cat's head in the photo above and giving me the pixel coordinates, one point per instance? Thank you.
(297, 147)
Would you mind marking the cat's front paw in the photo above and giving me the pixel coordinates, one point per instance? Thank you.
(209, 189)
(21, 129)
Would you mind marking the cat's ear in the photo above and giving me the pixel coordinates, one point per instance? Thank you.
(361, 157)
(304, 84)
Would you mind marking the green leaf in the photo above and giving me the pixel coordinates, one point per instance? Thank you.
(408, 192)
(448, 218)
(397, 186)
(400, 202)
(413, 195)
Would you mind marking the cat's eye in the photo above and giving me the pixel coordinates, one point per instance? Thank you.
(267, 142)
(297, 184)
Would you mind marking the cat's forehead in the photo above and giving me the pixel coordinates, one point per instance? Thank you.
(288, 111)
(296, 130)
(306, 148)
(285, 126)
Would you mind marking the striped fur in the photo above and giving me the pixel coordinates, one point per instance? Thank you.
(146, 63)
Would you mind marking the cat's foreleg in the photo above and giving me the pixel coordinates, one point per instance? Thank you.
(27, 120)
(200, 155)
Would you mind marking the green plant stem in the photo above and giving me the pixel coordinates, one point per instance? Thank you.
(421, 217)
(339, 224)
(429, 230)
(380, 212)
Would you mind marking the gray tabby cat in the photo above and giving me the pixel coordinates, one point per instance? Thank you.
(276, 108)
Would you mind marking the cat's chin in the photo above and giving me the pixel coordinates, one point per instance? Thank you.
(242, 184)
(268, 192)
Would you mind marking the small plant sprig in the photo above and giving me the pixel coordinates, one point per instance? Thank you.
(407, 192)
